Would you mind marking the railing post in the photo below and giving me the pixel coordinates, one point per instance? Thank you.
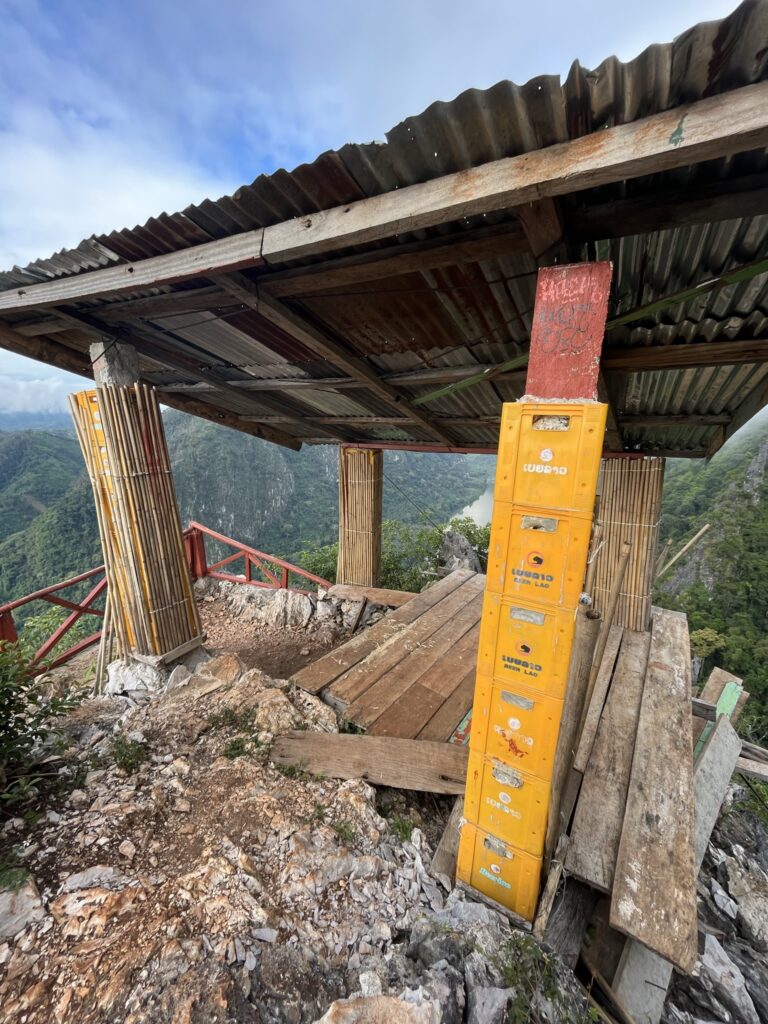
(197, 559)
(248, 575)
(8, 628)
(284, 579)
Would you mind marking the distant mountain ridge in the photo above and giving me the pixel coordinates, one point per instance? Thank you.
(277, 500)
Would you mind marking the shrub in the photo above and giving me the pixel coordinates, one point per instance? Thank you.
(26, 723)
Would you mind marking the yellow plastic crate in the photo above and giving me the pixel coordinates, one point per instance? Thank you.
(537, 556)
(516, 726)
(549, 455)
(507, 803)
(525, 646)
(493, 867)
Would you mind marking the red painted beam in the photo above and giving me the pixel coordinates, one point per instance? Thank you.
(568, 327)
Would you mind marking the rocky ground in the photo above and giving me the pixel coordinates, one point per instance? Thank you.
(731, 980)
(176, 875)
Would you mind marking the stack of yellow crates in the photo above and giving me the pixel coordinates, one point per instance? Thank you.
(546, 479)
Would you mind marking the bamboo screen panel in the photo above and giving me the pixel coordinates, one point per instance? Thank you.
(629, 509)
(361, 482)
(121, 434)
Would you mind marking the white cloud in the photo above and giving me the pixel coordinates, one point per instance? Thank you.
(45, 393)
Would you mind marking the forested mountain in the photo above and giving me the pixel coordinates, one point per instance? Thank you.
(277, 500)
(723, 584)
(285, 502)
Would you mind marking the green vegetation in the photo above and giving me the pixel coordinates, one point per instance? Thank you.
(129, 754)
(27, 724)
(278, 501)
(12, 872)
(723, 584)
(345, 831)
(401, 826)
(410, 553)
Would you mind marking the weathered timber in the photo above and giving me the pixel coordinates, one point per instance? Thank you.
(597, 700)
(597, 824)
(718, 126)
(375, 595)
(428, 637)
(446, 854)
(325, 670)
(382, 761)
(654, 885)
(642, 977)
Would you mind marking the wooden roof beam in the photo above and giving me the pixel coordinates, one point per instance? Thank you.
(56, 354)
(708, 129)
(683, 356)
(702, 204)
(326, 347)
(756, 400)
(413, 257)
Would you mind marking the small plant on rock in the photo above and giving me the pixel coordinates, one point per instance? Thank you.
(237, 747)
(345, 831)
(27, 725)
(129, 754)
(401, 827)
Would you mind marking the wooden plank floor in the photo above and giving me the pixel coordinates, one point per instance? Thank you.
(412, 674)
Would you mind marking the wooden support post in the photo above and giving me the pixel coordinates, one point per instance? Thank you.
(630, 506)
(361, 477)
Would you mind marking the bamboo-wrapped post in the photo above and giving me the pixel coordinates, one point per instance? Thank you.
(630, 507)
(361, 476)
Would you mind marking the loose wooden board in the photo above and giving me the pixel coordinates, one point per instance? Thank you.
(414, 664)
(711, 691)
(597, 701)
(449, 716)
(376, 595)
(447, 852)
(600, 809)
(654, 886)
(642, 977)
(325, 670)
(380, 760)
(356, 688)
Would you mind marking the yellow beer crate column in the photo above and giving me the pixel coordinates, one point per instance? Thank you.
(546, 478)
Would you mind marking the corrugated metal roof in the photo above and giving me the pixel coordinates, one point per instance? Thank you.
(480, 312)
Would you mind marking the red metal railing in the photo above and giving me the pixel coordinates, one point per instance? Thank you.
(276, 573)
(77, 609)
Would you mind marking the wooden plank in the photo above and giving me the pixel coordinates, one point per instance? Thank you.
(717, 126)
(325, 670)
(567, 335)
(445, 721)
(599, 814)
(355, 682)
(569, 920)
(446, 854)
(726, 705)
(681, 356)
(382, 761)
(642, 977)
(710, 692)
(714, 127)
(436, 665)
(585, 637)
(752, 769)
(407, 714)
(375, 595)
(345, 271)
(236, 251)
(599, 694)
(654, 887)
(414, 710)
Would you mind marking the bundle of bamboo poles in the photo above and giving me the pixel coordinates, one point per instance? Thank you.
(361, 482)
(629, 510)
(151, 601)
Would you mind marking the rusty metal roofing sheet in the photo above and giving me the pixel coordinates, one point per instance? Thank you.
(480, 313)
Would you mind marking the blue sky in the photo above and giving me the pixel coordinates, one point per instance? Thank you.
(111, 112)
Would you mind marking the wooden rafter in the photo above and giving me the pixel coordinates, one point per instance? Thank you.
(711, 128)
(639, 359)
(756, 400)
(326, 347)
(155, 345)
(65, 358)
